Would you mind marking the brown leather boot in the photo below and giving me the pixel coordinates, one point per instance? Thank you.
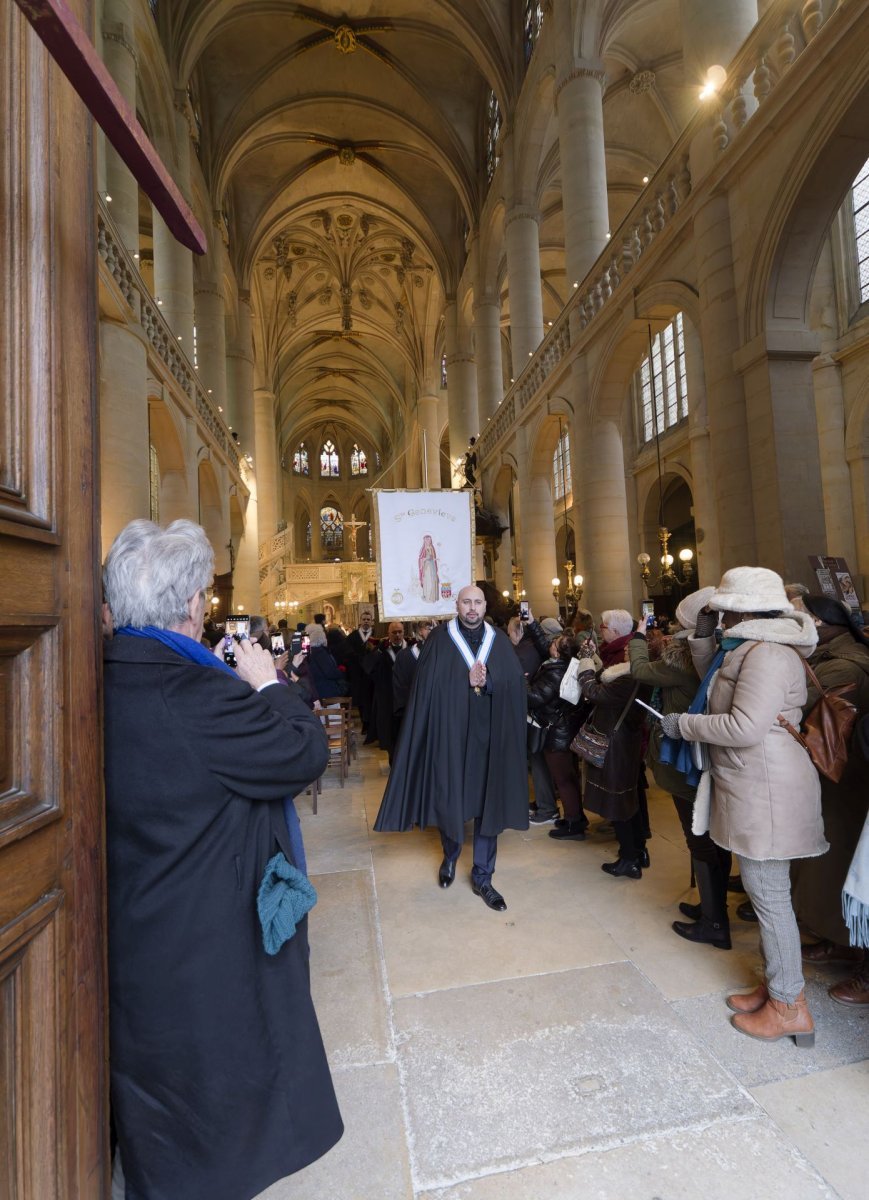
(853, 992)
(777, 1020)
(748, 1002)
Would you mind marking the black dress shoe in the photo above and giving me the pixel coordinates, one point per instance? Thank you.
(710, 933)
(489, 896)
(447, 872)
(626, 868)
(745, 912)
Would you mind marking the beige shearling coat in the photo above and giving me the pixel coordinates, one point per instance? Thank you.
(766, 794)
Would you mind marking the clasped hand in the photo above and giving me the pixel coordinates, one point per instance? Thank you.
(477, 675)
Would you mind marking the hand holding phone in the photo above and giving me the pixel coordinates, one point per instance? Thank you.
(524, 611)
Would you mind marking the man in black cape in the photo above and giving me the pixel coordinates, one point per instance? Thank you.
(404, 671)
(461, 753)
(360, 643)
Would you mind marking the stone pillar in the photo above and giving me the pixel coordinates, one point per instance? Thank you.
(239, 411)
(211, 342)
(585, 207)
(712, 34)
(708, 564)
(119, 56)
(728, 426)
(173, 263)
(124, 438)
(522, 237)
(264, 462)
(461, 384)
(607, 563)
(504, 564)
(246, 571)
(430, 467)
(487, 345)
(835, 475)
(538, 540)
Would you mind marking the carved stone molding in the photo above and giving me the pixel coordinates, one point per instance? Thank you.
(521, 213)
(459, 358)
(122, 36)
(642, 82)
(580, 73)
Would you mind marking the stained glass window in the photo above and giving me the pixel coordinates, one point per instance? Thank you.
(300, 461)
(331, 528)
(663, 376)
(561, 467)
(531, 29)
(358, 461)
(308, 537)
(329, 467)
(860, 198)
(443, 370)
(493, 128)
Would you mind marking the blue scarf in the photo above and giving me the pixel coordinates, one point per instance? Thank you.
(675, 751)
(194, 651)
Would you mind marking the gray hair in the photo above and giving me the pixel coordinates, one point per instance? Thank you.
(150, 574)
(258, 626)
(619, 620)
(317, 634)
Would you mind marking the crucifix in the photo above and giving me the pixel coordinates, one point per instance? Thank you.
(354, 526)
(72, 50)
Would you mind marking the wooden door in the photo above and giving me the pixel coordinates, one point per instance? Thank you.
(52, 978)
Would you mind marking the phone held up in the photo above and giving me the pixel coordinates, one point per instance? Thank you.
(235, 629)
(277, 645)
(524, 611)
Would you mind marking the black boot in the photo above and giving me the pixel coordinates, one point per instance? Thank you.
(713, 927)
(573, 831)
(626, 868)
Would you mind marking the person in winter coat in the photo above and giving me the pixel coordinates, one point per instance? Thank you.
(841, 657)
(562, 719)
(532, 648)
(765, 802)
(675, 675)
(613, 790)
(328, 678)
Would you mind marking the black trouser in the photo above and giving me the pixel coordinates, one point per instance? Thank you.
(631, 836)
(701, 845)
(544, 794)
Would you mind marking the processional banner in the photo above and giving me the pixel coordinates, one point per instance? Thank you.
(425, 551)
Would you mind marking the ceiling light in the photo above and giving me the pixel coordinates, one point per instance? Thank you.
(219, 408)
(530, 353)
(576, 284)
(108, 198)
(645, 179)
(608, 236)
(715, 77)
(179, 337)
(135, 256)
(210, 391)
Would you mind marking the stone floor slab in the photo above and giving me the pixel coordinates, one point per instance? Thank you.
(841, 1036)
(346, 977)
(507, 1072)
(370, 1162)
(734, 1160)
(822, 1115)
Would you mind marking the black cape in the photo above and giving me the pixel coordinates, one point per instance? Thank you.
(402, 677)
(444, 772)
(220, 1083)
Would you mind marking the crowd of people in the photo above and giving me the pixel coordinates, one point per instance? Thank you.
(207, 878)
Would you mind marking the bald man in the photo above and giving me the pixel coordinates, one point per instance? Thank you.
(461, 751)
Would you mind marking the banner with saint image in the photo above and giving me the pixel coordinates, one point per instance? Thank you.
(425, 551)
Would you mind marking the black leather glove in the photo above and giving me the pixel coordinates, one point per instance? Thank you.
(706, 624)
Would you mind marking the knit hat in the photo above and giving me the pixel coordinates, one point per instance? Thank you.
(834, 612)
(551, 626)
(688, 609)
(750, 590)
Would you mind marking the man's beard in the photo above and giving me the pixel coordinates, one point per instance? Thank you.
(471, 620)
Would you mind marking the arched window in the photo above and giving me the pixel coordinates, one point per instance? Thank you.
(308, 537)
(444, 369)
(300, 461)
(660, 385)
(561, 467)
(531, 27)
(493, 128)
(329, 465)
(331, 528)
(860, 200)
(358, 461)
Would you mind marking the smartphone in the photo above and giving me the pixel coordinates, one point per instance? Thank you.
(524, 611)
(242, 625)
(277, 645)
(306, 645)
(295, 645)
(229, 648)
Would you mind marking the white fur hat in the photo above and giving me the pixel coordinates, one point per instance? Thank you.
(750, 590)
(688, 609)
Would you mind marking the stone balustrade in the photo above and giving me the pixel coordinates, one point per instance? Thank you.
(159, 336)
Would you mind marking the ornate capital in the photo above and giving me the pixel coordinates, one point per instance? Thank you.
(522, 213)
(459, 358)
(123, 36)
(579, 72)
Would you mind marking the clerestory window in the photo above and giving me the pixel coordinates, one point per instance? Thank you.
(661, 385)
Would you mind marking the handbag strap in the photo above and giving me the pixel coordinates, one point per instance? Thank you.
(624, 713)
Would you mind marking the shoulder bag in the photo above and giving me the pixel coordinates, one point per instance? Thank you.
(826, 728)
(569, 688)
(591, 745)
(536, 738)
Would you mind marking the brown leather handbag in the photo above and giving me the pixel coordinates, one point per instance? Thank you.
(826, 728)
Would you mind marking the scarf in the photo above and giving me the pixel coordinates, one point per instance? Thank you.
(191, 650)
(855, 893)
(614, 652)
(675, 751)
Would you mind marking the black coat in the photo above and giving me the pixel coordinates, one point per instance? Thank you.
(382, 727)
(611, 790)
(361, 688)
(547, 707)
(329, 679)
(219, 1078)
(442, 774)
(402, 677)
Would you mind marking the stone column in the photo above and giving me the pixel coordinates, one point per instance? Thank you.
(246, 571)
(427, 414)
(239, 411)
(173, 263)
(607, 562)
(210, 342)
(522, 238)
(264, 462)
(585, 208)
(461, 384)
(487, 344)
(539, 562)
(835, 475)
(124, 437)
(708, 564)
(504, 564)
(712, 34)
(119, 56)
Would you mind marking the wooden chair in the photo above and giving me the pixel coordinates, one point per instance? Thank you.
(314, 790)
(346, 705)
(336, 724)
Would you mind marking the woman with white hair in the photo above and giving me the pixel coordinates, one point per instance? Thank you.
(765, 801)
(328, 678)
(613, 790)
(220, 1083)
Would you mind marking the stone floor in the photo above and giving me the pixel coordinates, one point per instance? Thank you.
(570, 1047)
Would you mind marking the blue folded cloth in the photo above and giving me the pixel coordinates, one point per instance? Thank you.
(285, 896)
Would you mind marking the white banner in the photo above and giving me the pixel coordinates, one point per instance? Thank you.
(425, 556)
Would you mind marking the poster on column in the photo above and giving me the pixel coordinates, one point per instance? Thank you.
(425, 551)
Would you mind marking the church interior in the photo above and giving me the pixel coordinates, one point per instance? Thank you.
(621, 244)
